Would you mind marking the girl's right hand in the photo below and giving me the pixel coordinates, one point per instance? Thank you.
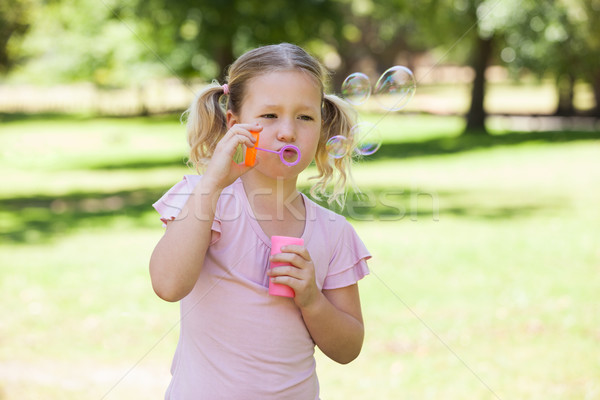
(222, 171)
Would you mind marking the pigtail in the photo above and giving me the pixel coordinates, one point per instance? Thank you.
(338, 119)
(206, 124)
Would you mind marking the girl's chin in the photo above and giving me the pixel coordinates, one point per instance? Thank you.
(278, 170)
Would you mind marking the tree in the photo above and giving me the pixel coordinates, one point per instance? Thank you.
(15, 19)
(79, 40)
(455, 26)
(204, 37)
(480, 60)
(118, 43)
(372, 33)
(468, 31)
(559, 38)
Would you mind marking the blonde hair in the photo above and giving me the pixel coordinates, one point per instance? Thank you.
(207, 122)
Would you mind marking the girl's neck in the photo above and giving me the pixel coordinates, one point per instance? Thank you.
(269, 190)
(277, 205)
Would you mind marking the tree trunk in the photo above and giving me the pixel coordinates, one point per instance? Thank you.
(596, 89)
(566, 87)
(339, 76)
(350, 53)
(476, 115)
(141, 94)
(224, 58)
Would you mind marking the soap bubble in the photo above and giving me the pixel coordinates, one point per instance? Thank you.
(356, 88)
(395, 88)
(367, 138)
(337, 146)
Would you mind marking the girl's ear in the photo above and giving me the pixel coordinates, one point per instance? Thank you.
(232, 119)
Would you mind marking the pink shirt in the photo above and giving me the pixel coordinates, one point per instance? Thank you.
(237, 341)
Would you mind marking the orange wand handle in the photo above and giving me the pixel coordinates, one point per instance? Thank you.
(250, 158)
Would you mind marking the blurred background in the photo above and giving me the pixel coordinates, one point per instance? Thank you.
(480, 208)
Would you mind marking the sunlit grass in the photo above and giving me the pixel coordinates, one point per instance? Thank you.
(484, 277)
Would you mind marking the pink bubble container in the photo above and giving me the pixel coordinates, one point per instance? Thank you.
(277, 242)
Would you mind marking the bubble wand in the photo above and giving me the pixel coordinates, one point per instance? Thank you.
(288, 149)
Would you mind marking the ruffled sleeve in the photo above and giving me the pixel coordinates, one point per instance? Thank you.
(349, 260)
(169, 206)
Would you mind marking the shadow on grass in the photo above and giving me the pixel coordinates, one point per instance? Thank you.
(44, 116)
(179, 161)
(464, 143)
(38, 219)
(6, 117)
(400, 150)
(397, 204)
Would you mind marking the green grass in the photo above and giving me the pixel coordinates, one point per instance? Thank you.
(484, 280)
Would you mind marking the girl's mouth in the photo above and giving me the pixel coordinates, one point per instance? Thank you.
(290, 155)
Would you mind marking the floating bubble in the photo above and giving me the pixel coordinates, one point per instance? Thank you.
(337, 146)
(367, 138)
(356, 88)
(395, 88)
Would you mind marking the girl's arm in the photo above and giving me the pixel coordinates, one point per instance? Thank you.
(335, 323)
(178, 257)
(333, 317)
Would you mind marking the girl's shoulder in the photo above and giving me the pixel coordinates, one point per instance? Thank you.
(172, 202)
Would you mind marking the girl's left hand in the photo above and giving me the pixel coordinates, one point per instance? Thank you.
(300, 276)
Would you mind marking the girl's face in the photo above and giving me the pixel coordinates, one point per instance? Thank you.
(287, 104)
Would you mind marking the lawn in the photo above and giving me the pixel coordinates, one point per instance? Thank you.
(484, 281)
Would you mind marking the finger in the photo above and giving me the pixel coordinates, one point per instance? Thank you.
(287, 280)
(234, 138)
(302, 251)
(242, 168)
(239, 135)
(256, 127)
(301, 286)
(292, 281)
(246, 130)
(251, 126)
(285, 271)
(289, 258)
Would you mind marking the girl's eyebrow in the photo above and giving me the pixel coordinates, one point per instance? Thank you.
(303, 107)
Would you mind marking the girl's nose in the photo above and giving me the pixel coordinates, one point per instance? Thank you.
(286, 132)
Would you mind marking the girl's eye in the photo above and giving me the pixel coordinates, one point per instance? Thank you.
(269, 116)
(306, 118)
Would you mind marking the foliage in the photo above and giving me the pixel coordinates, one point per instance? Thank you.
(15, 16)
(127, 42)
(81, 40)
(373, 36)
(203, 38)
(558, 38)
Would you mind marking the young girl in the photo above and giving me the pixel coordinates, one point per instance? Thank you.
(236, 340)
